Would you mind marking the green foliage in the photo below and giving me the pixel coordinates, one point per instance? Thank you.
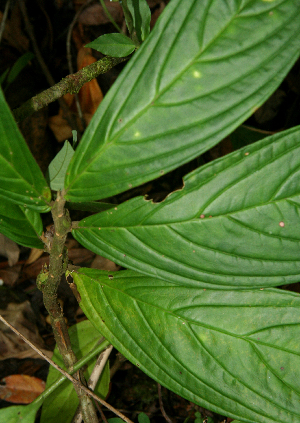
(27, 413)
(196, 78)
(20, 413)
(10, 75)
(141, 17)
(60, 406)
(143, 418)
(21, 224)
(58, 167)
(115, 45)
(196, 310)
(234, 352)
(21, 180)
(196, 237)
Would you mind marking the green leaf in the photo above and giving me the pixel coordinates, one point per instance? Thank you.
(18, 66)
(143, 418)
(141, 16)
(26, 413)
(20, 224)
(61, 405)
(115, 45)
(58, 167)
(232, 352)
(235, 223)
(3, 76)
(21, 180)
(20, 413)
(198, 418)
(203, 70)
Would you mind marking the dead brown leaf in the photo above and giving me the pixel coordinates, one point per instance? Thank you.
(90, 96)
(95, 14)
(21, 316)
(103, 263)
(21, 389)
(13, 30)
(9, 249)
(9, 276)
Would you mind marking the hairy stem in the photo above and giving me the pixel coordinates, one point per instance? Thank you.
(48, 282)
(71, 84)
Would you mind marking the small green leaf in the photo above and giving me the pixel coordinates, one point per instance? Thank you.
(143, 418)
(60, 406)
(114, 45)
(3, 76)
(18, 66)
(58, 167)
(235, 223)
(75, 138)
(141, 16)
(21, 180)
(21, 224)
(232, 352)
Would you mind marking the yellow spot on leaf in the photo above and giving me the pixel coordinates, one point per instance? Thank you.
(196, 74)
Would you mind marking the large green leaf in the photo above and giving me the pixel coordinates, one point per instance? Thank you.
(233, 352)
(21, 180)
(235, 222)
(21, 224)
(61, 405)
(203, 70)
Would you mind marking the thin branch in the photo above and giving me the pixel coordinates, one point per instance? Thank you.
(101, 413)
(71, 84)
(110, 17)
(95, 375)
(36, 349)
(68, 42)
(161, 405)
(4, 17)
(67, 375)
(71, 120)
(120, 359)
(69, 56)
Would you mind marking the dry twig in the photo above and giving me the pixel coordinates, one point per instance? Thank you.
(67, 375)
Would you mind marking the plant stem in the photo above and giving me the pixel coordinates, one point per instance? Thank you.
(110, 17)
(71, 84)
(48, 282)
